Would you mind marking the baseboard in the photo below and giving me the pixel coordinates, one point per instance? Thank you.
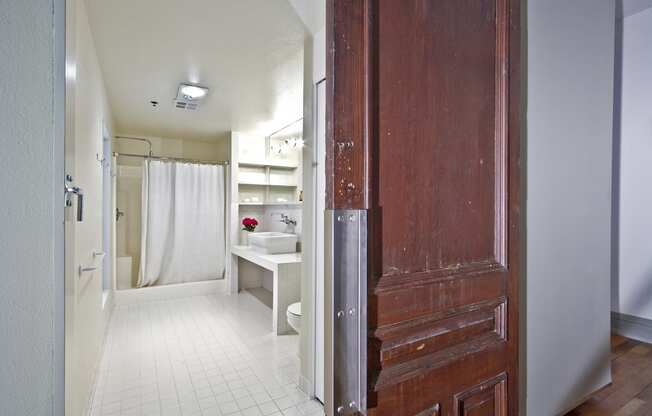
(305, 386)
(632, 327)
(107, 312)
(157, 293)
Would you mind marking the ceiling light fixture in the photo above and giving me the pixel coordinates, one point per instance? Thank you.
(189, 96)
(192, 92)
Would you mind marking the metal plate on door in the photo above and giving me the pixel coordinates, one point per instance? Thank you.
(349, 321)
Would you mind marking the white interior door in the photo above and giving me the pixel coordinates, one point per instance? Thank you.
(320, 206)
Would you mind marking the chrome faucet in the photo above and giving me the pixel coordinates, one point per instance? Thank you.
(287, 220)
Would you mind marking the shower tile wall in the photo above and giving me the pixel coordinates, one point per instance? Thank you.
(128, 184)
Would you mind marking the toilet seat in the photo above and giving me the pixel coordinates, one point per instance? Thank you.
(295, 309)
(293, 314)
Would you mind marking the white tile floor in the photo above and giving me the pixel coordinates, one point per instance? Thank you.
(209, 355)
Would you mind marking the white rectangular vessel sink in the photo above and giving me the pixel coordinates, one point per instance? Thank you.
(273, 243)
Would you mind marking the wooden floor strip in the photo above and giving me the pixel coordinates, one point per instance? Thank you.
(630, 393)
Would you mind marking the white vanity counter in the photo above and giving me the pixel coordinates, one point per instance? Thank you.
(266, 261)
(286, 270)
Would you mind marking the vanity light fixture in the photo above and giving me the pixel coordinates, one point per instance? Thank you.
(297, 143)
(287, 145)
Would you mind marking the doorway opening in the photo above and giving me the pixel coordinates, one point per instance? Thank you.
(195, 139)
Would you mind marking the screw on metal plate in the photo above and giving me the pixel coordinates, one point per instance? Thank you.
(340, 409)
(352, 311)
(340, 314)
(344, 218)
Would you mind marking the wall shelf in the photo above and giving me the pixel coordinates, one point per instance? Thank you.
(252, 183)
(269, 164)
(268, 184)
(269, 203)
(262, 184)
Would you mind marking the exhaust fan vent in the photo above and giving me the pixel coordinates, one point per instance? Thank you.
(186, 105)
(189, 96)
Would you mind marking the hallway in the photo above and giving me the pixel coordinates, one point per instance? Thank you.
(209, 355)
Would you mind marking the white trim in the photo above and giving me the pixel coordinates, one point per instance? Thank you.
(108, 213)
(107, 312)
(315, 179)
(106, 295)
(59, 352)
(157, 293)
(306, 386)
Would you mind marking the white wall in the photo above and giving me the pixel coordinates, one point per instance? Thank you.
(311, 12)
(28, 177)
(570, 62)
(217, 149)
(630, 7)
(633, 283)
(86, 314)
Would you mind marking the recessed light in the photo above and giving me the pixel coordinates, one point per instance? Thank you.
(192, 92)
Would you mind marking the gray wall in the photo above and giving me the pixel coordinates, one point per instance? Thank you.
(633, 282)
(570, 53)
(630, 7)
(28, 253)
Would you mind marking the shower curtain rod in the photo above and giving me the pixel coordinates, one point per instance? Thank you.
(138, 139)
(174, 159)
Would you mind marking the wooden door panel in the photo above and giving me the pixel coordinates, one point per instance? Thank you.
(423, 133)
(444, 386)
(402, 302)
(441, 335)
(438, 147)
(486, 399)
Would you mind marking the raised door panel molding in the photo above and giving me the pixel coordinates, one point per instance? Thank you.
(403, 304)
(432, 411)
(486, 399)
(441, 333)
(410, 349)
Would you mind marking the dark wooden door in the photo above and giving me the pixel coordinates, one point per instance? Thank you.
(423, 126)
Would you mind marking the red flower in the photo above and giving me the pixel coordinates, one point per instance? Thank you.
(249, 224)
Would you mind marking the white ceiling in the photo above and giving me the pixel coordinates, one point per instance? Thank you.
(312, 13)
(248, 52)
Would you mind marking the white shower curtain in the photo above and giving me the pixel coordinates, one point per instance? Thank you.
(183, 236)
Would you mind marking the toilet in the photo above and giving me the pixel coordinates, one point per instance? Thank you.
(294, 316)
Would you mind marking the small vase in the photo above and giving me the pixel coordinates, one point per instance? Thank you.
(244, 237)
